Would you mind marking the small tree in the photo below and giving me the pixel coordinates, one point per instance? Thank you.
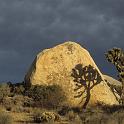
(116, 57)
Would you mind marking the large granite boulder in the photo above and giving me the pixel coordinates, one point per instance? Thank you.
(72, 68)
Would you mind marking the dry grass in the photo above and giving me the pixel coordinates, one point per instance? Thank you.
(5, 118)
(21, 109)
(90, 116)
(20, 118)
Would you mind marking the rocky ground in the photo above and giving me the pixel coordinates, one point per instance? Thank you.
(95, 115)
(18, 107)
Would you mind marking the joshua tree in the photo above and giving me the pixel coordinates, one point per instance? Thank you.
(116, 57)
(86, 77)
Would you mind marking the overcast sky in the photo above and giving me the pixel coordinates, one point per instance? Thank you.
(29, 26)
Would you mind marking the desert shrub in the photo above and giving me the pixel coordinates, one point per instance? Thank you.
(17, 103)
(46, 116)
(118, 117)
(12, 103)
(17, 88)
(28, 102)
(4, 91)
(21, 102)
(5, 118)
(93, 115)
(104, 114)
(46, 96)
(64, 110)
(110, 109)
(73, 117)
(18, 109)
(18, 100)
(8, 103)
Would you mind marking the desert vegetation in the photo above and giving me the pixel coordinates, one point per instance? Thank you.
(36, 108)
(5, 118)
(21, 105)
(116, 57)
(40, 104)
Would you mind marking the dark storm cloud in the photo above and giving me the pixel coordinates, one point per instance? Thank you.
(28, 26)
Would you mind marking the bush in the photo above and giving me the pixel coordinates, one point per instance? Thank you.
(28, 102)
(5, 118)
(46, 116)
(17, 103)
(17, 88)
(4, 91)
(46, 96)
(73, 117)
(117, 117)
(8, 103)
(110, 109)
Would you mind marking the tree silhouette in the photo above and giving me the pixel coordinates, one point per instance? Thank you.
(116, 57)
(86, 77)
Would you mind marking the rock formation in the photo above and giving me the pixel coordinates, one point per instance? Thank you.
(115, 86)
(56, 66)
(113, 82)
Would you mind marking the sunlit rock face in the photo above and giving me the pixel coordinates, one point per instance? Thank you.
(59, 66)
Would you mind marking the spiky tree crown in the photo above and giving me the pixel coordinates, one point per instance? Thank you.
(116, 57)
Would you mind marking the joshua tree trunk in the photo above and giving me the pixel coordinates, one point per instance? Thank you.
(87, 97)
(122, 93)
(116, 57)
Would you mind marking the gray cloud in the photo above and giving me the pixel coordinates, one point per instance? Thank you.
(28, 26)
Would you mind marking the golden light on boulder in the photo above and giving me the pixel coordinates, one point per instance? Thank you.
(55, 66)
